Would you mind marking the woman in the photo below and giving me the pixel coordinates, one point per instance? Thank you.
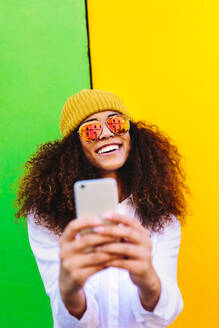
(130, 277)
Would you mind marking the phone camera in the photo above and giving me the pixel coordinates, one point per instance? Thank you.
(82, 186)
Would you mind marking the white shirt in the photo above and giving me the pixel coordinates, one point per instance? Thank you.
(112, 298)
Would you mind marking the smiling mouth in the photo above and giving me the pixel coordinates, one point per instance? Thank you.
(108, 149)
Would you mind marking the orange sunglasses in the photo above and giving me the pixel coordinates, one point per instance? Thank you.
(118, 124)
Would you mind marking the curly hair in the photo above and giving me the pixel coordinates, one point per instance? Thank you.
(152, 174)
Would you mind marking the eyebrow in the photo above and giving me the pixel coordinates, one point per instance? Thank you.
(95, 119)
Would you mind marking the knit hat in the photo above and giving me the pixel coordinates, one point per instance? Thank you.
(85, 103)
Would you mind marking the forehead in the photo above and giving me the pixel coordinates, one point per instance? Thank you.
(100, 115)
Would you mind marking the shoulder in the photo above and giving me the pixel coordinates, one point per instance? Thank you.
(170, 227)
(39, 232)
(167, 241)
(170, 230)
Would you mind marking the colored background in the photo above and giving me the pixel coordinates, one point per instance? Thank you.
(161, 57)
(43, 60)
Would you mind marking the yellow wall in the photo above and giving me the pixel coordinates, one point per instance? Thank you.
(162, 59)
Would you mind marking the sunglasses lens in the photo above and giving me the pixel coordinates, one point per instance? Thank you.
(90, 131)
(118, 124)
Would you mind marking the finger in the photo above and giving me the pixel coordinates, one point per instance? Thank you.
(76, 225)
(89, 240)
(133, 266)
(120, 231)
(76, 263)
(122, 249)
(126, 220)
(97, 258)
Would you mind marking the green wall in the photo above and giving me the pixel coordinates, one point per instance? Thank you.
(43, 60)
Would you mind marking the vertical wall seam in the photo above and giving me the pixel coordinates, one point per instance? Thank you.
(88, 38)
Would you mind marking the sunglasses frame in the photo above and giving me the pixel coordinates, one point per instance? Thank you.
(101, 125)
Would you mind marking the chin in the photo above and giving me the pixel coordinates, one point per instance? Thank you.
(108, 167)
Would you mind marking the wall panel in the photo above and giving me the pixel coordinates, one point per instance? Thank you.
(43, 60)
(161, 57)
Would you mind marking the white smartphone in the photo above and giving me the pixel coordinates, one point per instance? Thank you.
(95, 197)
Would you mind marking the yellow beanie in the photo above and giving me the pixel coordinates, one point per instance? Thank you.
(85, 103)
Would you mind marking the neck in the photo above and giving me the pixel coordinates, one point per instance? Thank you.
(122, 190)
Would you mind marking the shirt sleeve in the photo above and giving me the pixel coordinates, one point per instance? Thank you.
(45, 247)
(170, 303)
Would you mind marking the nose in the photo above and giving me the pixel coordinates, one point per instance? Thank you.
(105, 133)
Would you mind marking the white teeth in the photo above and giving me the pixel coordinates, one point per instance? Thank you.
(108, 148)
